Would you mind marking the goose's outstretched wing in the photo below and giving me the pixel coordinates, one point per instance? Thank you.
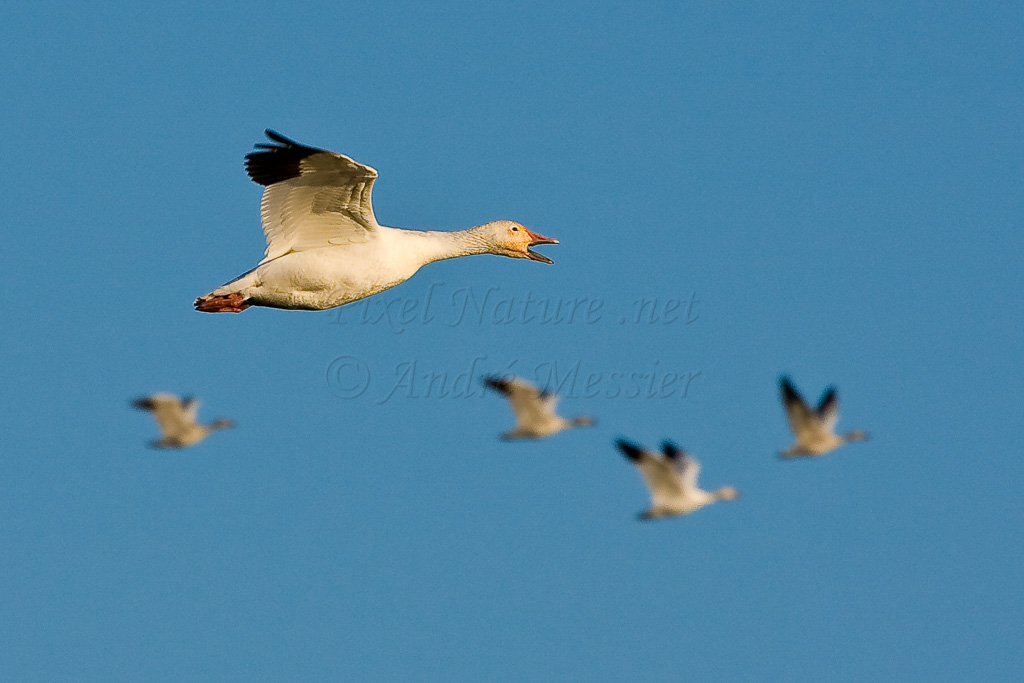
(828, 409)
(685, 466)
(658, 473)
(171, 416)
(313, 198)
(801, 418)
(530, 405)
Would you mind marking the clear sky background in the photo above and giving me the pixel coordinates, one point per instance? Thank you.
(829, 192)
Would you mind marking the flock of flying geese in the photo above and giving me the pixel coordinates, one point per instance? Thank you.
(325, 248)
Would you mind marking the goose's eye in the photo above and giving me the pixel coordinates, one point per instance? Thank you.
(514, 229)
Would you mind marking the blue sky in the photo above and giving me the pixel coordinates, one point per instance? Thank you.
(829, 192)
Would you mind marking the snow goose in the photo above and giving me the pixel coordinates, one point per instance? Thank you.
(672, 479)
(176, 419)
(814, 429)
(534, 410)
(325, 248)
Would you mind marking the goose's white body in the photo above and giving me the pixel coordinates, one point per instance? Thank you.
(176, 419)
(325, 247)
(672, 480)
(331, 276)
(534, 410)
(814, 429)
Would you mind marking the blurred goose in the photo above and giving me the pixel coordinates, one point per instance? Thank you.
(325, 248)
(672, 479)
(534, 410)
(814, 429)
(176, 419)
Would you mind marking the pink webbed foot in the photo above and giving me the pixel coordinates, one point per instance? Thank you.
(225, 303)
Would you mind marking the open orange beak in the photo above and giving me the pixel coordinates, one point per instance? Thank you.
(536, 239)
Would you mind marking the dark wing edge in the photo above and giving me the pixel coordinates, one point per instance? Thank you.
(143, 403)
(790, 395)
(499, 384)
(672, 451)
(629, 449)
(828, 403)
(277, 161)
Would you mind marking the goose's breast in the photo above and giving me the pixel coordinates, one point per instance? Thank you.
(332, 276)
(822, 442)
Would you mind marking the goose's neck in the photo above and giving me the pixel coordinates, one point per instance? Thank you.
(219, 424)
(725, 493)
(434, 245)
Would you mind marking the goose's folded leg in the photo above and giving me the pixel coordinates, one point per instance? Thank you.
(227, 303)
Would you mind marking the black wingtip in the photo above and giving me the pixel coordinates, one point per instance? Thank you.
(142, 403)
(670, 449)
(277, 137)
(497, 383)
(789, 392)
(829, 398)
(629, 449)
(278, 161)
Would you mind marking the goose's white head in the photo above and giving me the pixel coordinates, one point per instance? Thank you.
(511, 239)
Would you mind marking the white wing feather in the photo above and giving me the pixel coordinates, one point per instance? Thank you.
(313, 198)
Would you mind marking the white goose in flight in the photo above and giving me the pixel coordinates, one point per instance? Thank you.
(672, 480)
(325, 248)
(535, 410)
(176, 419)
(814, 429)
